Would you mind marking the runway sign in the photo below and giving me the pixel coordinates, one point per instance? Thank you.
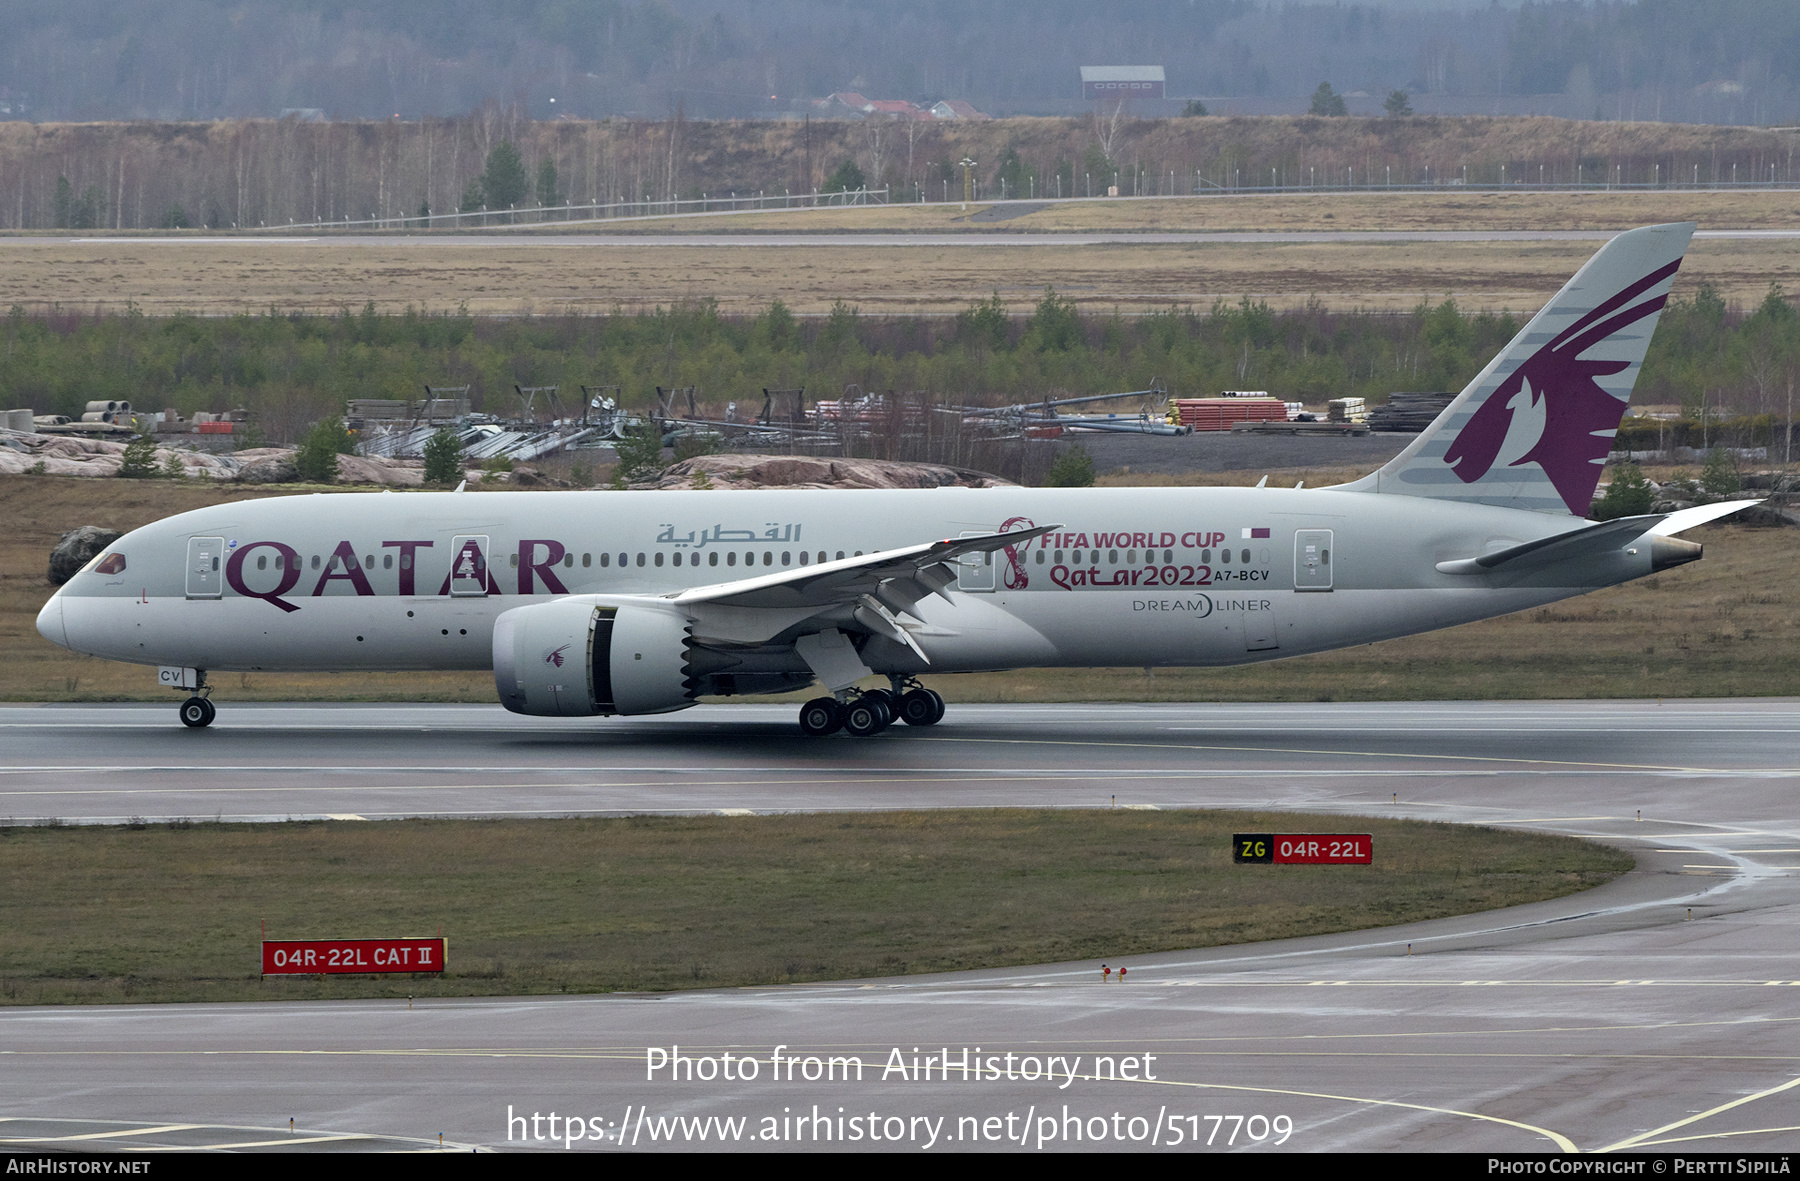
(1302, 848)
(312, 957)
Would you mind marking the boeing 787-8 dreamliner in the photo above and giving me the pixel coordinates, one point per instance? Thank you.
(587, 603)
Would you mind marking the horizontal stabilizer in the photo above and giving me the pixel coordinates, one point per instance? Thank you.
(1602, 538)
(1546, 551)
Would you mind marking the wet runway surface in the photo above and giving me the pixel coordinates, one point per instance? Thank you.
(1660, 1011)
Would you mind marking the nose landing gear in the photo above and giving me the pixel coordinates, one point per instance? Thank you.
(198, 710)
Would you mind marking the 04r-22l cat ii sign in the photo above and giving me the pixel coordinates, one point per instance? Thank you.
(589, 603)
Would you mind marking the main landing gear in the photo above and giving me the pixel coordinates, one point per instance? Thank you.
(872, 711)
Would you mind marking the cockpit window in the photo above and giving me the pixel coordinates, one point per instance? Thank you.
(111, 564)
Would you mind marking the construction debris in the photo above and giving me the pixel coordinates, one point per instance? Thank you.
(1223, 414)
(1409, 412)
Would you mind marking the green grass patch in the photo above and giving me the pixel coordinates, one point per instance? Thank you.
(174, 912)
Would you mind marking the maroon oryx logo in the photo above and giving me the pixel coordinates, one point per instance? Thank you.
(556, 657)
(1579, 416)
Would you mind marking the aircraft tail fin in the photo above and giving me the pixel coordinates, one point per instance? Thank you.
(1533, 429)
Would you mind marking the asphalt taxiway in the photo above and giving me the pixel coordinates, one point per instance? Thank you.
(1658, 1012)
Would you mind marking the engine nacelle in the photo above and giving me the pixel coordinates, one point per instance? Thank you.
(587, 654)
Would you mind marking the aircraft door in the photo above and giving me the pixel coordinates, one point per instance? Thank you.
(975, 572)
(1312, 559)
(469, 566)
(205, 562)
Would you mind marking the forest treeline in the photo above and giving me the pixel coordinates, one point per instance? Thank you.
(1691, 60)
(248, 173)
(292, 370)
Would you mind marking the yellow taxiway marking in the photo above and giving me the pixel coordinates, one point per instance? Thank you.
(1707, 1114)
(100, 1135)
(1713, 1136)
(286, 1140)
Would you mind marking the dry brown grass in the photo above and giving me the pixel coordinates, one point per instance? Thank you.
(167, 913)
(545, 276)
(1726, 626)
(1326, 212)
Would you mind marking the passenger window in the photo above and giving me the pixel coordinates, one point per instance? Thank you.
(262, 563)
(405, 562)
(731, 558)
(641, 560)
(1112, 557)
(387, 561)
(606, 559)
(1244, 557)
(1040, 557)
(568, 561)
(804, 557)
(712, 559)
(279, 558)
(821, 555)
(624, 560)
(1206, 557)
(1058, 557)
(1224, 557)
(513, 561)
(315, 561)
(368, 561)
(1168, 556)
(111, 564)
(768, 558)
(1324, 557)
(1131, 557)
(587, 560)
(840, 556)
(784, 556)
(659, 558)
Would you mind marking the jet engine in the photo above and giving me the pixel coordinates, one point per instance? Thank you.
(585, 655)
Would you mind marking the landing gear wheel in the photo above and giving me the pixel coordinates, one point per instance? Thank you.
(197, 712)
(867, 715)
(921, 707)
(821, 716)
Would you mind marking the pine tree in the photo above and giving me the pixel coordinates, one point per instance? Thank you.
(316, 460)
(443, 457)
(139, 460)
(1629, 495)
(640, 454)
(503, 181)
(1072, 468)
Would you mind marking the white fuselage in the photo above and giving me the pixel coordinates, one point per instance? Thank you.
(1131, 577)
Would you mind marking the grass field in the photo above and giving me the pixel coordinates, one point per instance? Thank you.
(1726, 626)
(544, 274)
(174, 913)
(1263, 212)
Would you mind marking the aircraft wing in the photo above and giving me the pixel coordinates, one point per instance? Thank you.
(897, 577)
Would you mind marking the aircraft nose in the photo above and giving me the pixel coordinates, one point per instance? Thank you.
(50, 622)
